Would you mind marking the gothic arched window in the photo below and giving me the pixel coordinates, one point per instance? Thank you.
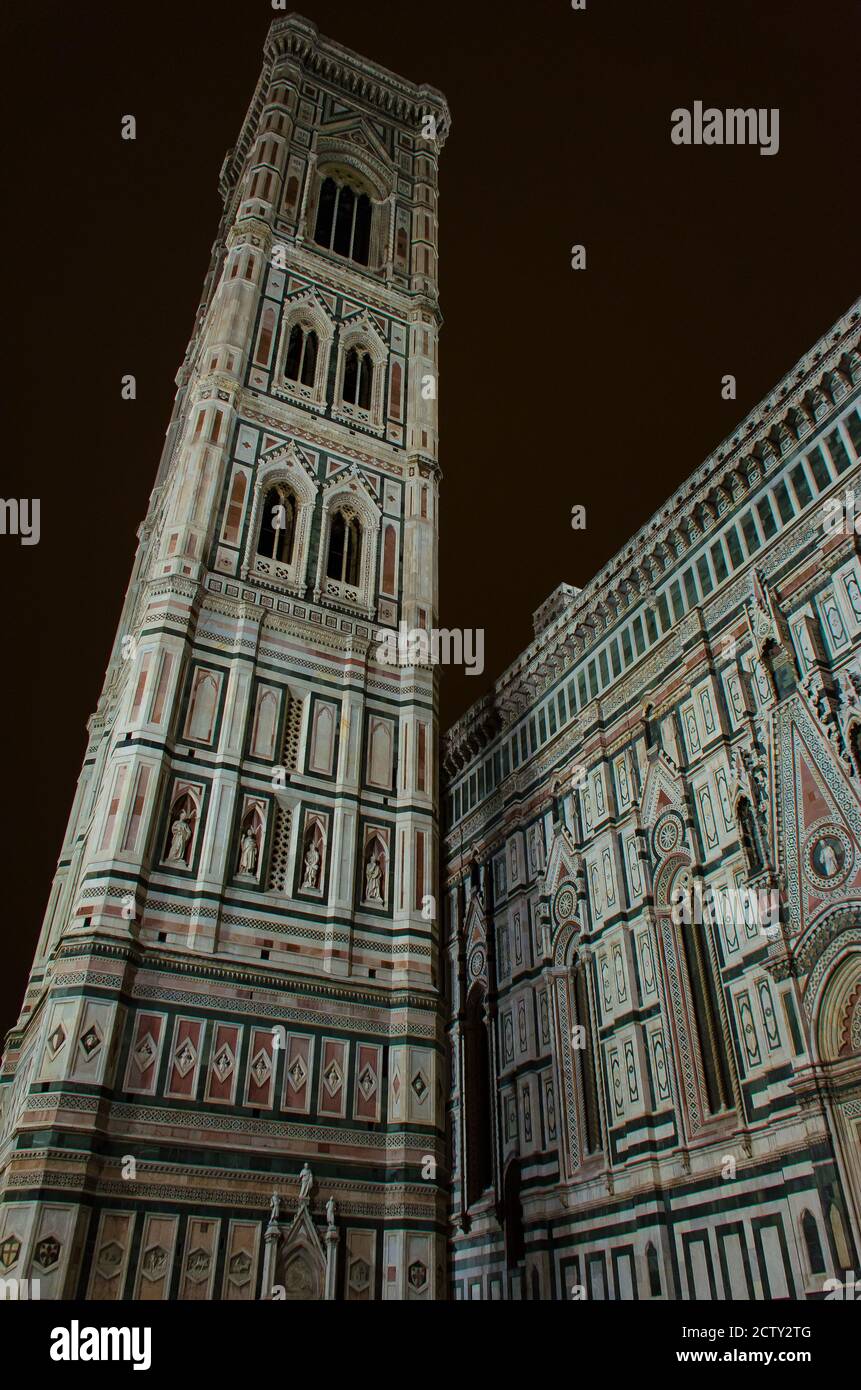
(345, 546)
(344, 221)
(813, 1244)
(654, 1270)
(300, 364)
(580, 1003)
(707, 1018)
(277, 525)
(358, 378)
(477, 1101)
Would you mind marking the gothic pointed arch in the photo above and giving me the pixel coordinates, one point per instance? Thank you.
(300, 1265)
(818, 808)
(350, 533)
(575, 1048)
(478, 1097)
(692, 975)
(304, 347)
(661, 789)
(285, 495)
(349, 212)
(360, 376)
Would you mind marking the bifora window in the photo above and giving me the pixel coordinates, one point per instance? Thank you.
(358, 378)
(344, 221)
(277, 525)
(345, 543)
(301, 361)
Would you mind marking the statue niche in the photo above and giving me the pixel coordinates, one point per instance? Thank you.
(180, 834)
(313, 857)
(749, 836)
(375, 875)
(249, 843)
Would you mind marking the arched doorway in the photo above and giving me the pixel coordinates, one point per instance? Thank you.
(837, 1038)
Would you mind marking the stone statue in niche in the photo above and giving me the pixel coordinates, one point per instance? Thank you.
(373, 879)
(248, 853)
(180, 834)
(330, 1213)
(275, 1205)
(306, 1182)
(312, 866)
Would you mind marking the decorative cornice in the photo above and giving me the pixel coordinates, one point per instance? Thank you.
(776, 427)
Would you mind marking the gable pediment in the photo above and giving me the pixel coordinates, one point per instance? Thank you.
(819, 816)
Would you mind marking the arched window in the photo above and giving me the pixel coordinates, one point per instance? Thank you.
(345, 544)
(344, 221)
(477, 1098)
(654, 1270)
(812, 1243)
(300, 363)
(707, 1018)
(358, 378)
(580, 1002)
(277, 525)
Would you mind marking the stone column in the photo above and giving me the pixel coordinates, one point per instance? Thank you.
(332, 1238)
(271, 1241)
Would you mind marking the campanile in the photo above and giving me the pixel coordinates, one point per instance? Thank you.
(226, 1076)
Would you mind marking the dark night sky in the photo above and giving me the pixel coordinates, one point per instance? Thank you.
(600, 388)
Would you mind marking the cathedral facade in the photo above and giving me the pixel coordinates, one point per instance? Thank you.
(652, 895)
(226, 1080)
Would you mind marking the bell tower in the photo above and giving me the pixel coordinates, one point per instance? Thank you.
(236, 980)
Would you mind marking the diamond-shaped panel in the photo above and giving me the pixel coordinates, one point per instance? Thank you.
(261, 1068)
(223, 1063)
(367, 1082)
(91, 1041)
(185, 1057)
(297, 1074)
(145, 1052)
(332, 1078)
